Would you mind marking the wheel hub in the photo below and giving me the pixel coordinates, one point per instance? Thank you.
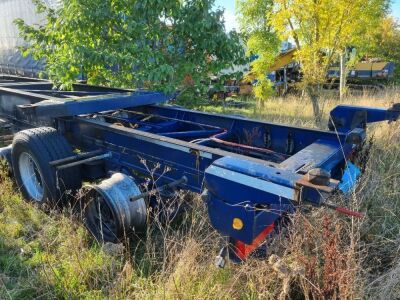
(31, 177)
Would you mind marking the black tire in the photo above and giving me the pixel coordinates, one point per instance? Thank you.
(43, 145)
(5, 156)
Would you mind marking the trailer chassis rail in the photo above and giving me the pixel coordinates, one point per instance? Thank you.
(250, 173)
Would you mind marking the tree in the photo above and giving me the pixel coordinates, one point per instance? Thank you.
(262, 40)
(386, 44)
(320, 29)
(132, 43)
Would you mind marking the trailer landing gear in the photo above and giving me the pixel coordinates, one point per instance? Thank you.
(220, 259)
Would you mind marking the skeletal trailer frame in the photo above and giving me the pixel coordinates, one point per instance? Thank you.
(250, 173)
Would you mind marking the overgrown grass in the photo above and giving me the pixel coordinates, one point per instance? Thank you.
(322, 255)
(296, 110)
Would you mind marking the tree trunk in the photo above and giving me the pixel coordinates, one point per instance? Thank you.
(313, 93)
(342, 84)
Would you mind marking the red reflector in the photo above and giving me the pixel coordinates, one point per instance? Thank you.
(243, 250)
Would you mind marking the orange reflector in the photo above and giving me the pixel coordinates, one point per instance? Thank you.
(237, 224)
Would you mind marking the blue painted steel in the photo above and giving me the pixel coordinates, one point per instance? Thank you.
(344, 118)
(248, 169)
(192, 133)
(261, 134)
(141, 151)
(254, 192)
(257, 169)
(255, 220)
(323, 154)
(261, 179)
(85, 105)
(257, 191)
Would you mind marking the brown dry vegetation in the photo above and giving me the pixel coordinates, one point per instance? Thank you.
(322, 255)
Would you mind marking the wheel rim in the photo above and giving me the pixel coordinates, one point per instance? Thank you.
(100, 219)
(31, 177)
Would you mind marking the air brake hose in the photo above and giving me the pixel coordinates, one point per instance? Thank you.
(215, 138)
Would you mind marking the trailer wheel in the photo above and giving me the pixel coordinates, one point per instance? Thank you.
(32, 151)
(109, 214)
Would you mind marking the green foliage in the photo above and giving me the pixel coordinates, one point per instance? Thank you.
(264, 88)
(262, 41)
(190, 97)
(132, 43)
(386, 44)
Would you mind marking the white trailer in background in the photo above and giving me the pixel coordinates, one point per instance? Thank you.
(11, 60)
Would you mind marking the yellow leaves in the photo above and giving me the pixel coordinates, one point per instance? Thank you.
(312, 61)
(320, 29)
(263, 89)
(323, 28)
(388, 30)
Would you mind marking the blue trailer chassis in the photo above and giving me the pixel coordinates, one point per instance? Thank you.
(250, 173)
